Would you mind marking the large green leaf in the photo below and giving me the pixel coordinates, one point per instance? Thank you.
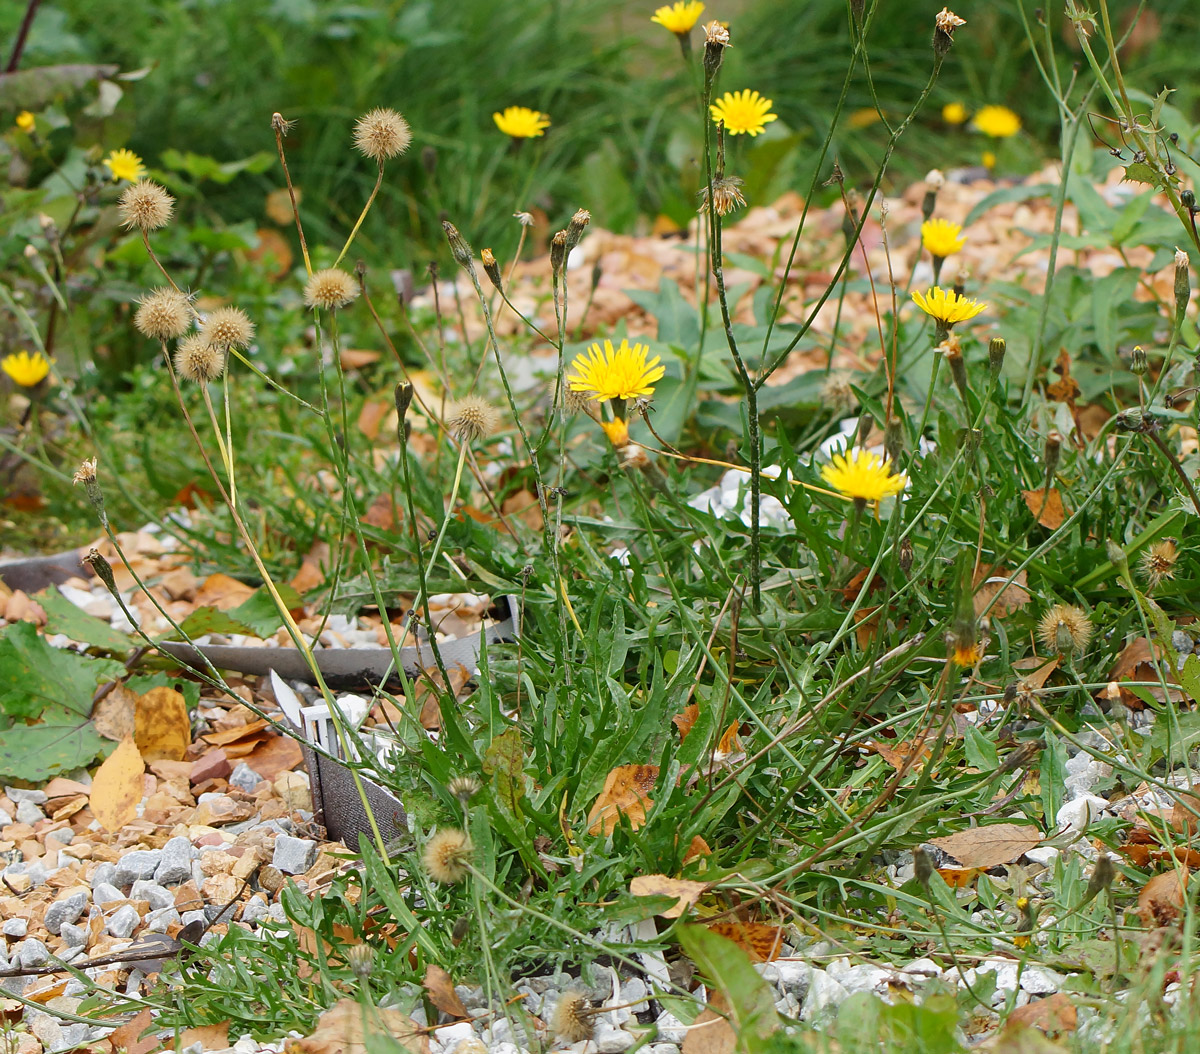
(37, 752)
(750, 999)
(62, 616)
(38, 680)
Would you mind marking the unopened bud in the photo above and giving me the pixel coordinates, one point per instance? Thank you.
(1103, 874)
(1138, 363)
(459, 248)
(960, 281)
(103, 570)
(893, 439)
(996, 348)
(1187, 199)
(1050, 457)
(558, 252)
(951, 348)
(576, 227)
(934, 182)
(922, 866)
(360, 958)
(1117, 557)
(597, 271)
(492, 269)
(906, 556)
(1183, 288)
(403, 396)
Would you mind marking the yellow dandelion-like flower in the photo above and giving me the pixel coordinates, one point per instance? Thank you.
(520, 122)
(743, 112)
(25, 121)
(25, 369)
(617, 431)
(623, 373)
(999, 122)
(124, 164)
(863, 476)
(966, 653)
(947, 306)
(941, 237)
(987, 159)
(954, 113)
(679, 17)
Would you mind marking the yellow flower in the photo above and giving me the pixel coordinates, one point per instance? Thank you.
(27, 370)
(947, 306)
(678, 17)
(617, 432)
(941, 237)
(25, 121)
(521, 122)
(743, 111)
(861, 475)
(997, 121)
(954, 113)
(967, 653)
(620, 374)
(988, 159)
(125, 164)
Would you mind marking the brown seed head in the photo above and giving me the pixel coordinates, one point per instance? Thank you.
(86, 473)
(572, 1020)
(1157, 563)
(446, 855)
(472, 418)
(164, 314)
(1065, 629)
(726, 196)
(145, 205)
(228, 327)
(576, 227)
(381, 134)
(330, 289)
(281, 124)
(198, 360)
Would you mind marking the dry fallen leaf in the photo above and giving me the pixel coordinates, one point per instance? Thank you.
(1039, 670)
(685, 719)
(117, 787)
(348, 1026)
(1161, 900)
(210, 1037)
(905, 756)
(959, 877)
(113, 716)
(274, 755)
(1054, 1014)
(626, 791)
(127, 1037)
(162, 729)
(662, 886)
(989, 581)
(710, 1033)
(440, 987)
(761, 941)
(698, 847)
(997, 843)
(1048, 508)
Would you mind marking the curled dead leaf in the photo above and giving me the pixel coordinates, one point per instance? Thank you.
(997, 843)
(686, 891)
(626, 792)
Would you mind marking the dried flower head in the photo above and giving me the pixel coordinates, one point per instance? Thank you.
(837, 391)
(575, 401)
(360, 958)
(941, 237)
(726, 196)
(947, 306)
(86, 473)
(25, 369)
(573, 1020)
(935, 179)
(330, 289)
(163, 314)
(146, 206)
(576, 227)
(1157, 562)
(621, 373)
(1065, 629)
(447, 855)
(862, 475)
(381, 134)
(998, 122)
(464, 788)
(743, 112)
(679, 17)
(228, 327)
(947, 21)
(197, 360)
(472, 418)
(716, 33)
(954, 113)
(520, 122)
(280, 124)
(124, 164)
(525, 219)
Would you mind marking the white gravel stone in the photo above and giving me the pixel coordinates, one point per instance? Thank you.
(795, 975)
(175, 864)
(161, 920)
(244, 777)
(31, 952)
(1046, 855)
(154, 894)
(1080, 812)
(256, 908)
(922, 968)
(66, 910)
(293, 856)
(29, 813)
(671, 1029)
(138, 863)
(73, 936)
(123, 921)
(14, 927)
(824, 994)
(452, 1035)
(18, 794)
(1039, 980)
(611, 1040)
(103, 875)
(105, 893)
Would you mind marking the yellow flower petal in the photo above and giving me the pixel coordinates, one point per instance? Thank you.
(25, 369)
(125, 164)
(743, 112)
(679, 17)
(623, 373)
(947, 306)
(941, 237)
(861, 475)
(997, 121)
(520, 122)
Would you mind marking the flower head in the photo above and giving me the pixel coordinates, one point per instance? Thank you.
(1157, 562)
(25, 121)
(472, 418)
(228, 327)
(946, 21)
(863, 476)
(198, 360)
(381, 134)
(947, 306)
(573, 1020)
(1065, 629)
(125, 164)
(679, 17)
(617, 431)
(999, 122)
(726, 196)
(520, 122)
(447, 855)
(941, 237)
(330, 288)
(163, 314)
(25, 369)
(954, 113)
(145, 205)
(743, 112)
(623, 373)
(86, 473)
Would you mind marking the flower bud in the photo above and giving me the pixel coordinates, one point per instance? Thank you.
(922, 866)
(103, 571)
(492, 269)
(576, 227)
(1183, 288)
(1138, 364)
(944, 25)
(1051, 454)
(459, 248)
(558, 252)
(996, 348)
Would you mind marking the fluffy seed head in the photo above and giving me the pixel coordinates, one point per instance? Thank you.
(446, 855)
(572, 1020)
(330, 289)
(472, 418)
(228, 327)
(145, 205)
(381, 134)
(1158, 562)
(464, 788)
(1065, 629)
(837, 391)
(198, 360)
(163, 314)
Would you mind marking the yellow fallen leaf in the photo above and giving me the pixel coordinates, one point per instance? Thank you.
(663, 886)
(162, 729)
(117, 786)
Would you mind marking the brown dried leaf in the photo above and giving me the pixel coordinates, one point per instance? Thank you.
(959, 877)
(1187, 806)
(761, 941)
(626, 791)
(710, 1033)
(345, 1027)
(698, 847)
(162, 729)
(997, 843)
(663, 886)
(1039, 670)
(685, 720)
(1048, 508)
(988, 581)
(730, 744)
(1066, 388)
(117, 787)
(1161, 900)
(275, 755)
(440, 986)
(210, 1037)
(113, 717)
(251, 730)
(1053, 1014)
(905, 756)
(128, 1037)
